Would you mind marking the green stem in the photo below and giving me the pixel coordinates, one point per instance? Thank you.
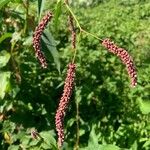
(79, 26)
(93, 35)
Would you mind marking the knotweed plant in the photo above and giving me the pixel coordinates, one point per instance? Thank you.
(69, 81)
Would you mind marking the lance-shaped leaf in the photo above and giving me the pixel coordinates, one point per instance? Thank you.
(40, 7)
(49, 48)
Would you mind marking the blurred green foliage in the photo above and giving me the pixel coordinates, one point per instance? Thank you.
(105, 113)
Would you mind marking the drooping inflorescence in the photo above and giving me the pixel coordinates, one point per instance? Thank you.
(37, 37)
(63, 104)
(72, 30)
(125, 58)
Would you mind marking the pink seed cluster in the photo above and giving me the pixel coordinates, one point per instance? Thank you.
(63, 104)
(125, 58)
(37, 37)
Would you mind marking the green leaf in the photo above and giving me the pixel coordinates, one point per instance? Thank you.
(16, 36)
(146, 144)
(94, 145)
(4, 58)
(144, 106)
(93, 139)
(17, 1)
(49, 46)
(34, 142)
(13, 147)
(4, 82)
(5, 36)
(40, 7)
(3, 3)
(109, 147)
(28, 41)
(25, 140)
(134, 146)
(48, 139)
(14, 91)
(57, 13)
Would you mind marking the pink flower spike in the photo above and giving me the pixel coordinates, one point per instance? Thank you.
(125, 58)
(37, 39)
(63, 104)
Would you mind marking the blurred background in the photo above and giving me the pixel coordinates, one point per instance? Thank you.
(105, 113)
